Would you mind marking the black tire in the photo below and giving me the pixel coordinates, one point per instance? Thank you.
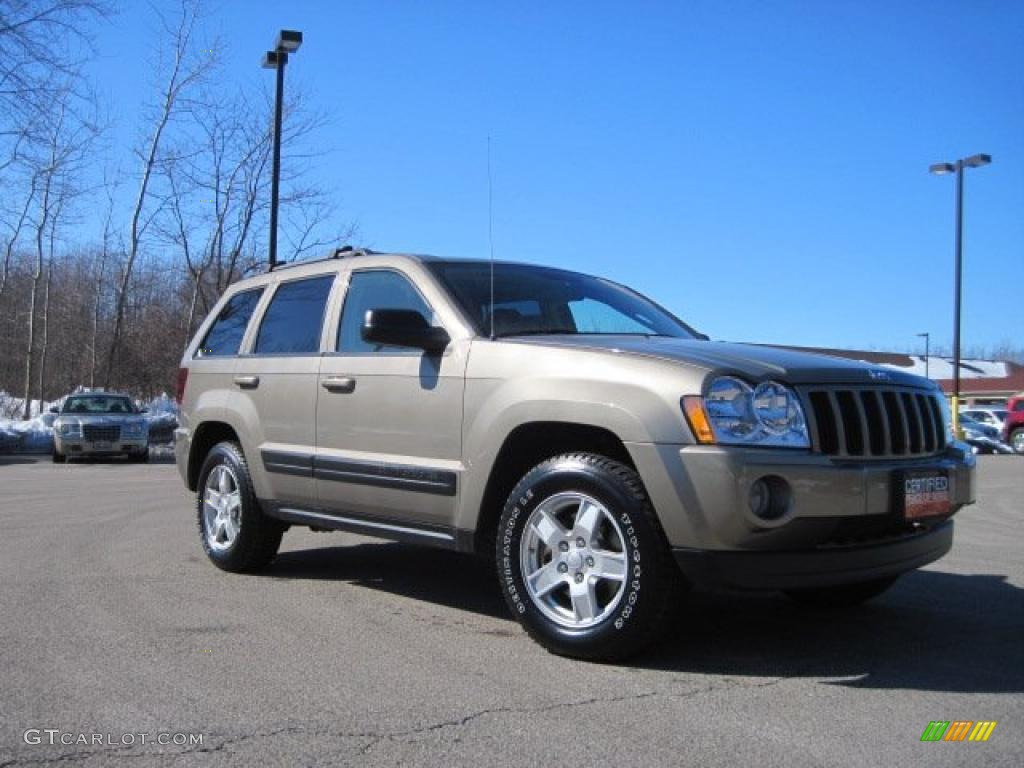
(259, 536)
(1016, 440)
(842, 595)
(140, 458)
(652, 582)
(58, 457)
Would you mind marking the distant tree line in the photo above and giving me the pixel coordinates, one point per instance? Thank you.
(172, 219)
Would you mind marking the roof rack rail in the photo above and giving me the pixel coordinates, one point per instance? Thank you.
(345, 252)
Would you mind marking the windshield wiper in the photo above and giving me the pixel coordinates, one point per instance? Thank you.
(537, 332)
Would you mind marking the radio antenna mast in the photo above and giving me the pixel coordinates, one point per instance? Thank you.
(490, 229)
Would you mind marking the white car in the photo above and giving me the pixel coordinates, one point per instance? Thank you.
(994, 417)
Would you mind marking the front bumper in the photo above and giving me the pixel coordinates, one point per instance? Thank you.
(76, 446)
(822, 567)
(844, 521)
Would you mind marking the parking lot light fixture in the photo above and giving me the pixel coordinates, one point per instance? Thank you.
(927, 339)
(941, 169)
(976, 161)
(288, 41)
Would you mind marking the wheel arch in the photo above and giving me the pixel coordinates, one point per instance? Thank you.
(525, 446)
(207, 435)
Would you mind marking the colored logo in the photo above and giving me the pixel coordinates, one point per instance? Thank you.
(958, 730)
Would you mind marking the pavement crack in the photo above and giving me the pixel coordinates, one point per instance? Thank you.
(373, 738)
(462, 722)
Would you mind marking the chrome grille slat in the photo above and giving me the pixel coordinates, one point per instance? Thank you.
(887, 440)
(840, 427)
(926, 423)
(95, 432)
(874, 422)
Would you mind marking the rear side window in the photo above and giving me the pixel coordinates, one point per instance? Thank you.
(292, 322)
(225, 335)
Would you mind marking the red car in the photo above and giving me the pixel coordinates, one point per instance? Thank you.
(1013, 430)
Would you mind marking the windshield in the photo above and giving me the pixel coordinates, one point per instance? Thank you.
(539, 300)
(98, 404)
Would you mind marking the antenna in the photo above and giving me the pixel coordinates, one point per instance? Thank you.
(490, 229)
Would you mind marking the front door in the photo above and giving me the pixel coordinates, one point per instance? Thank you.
(389, 419)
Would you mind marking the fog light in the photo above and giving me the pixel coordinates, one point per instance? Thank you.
(770, 498)
(760, 497)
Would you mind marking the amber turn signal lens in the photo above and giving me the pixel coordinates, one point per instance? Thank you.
(693, 407)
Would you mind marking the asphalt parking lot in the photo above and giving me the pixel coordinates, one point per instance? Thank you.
(351, 651)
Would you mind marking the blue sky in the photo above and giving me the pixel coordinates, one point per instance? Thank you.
(759, 168)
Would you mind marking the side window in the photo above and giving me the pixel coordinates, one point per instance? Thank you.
(292, 322)
(375, 289)
(225, 335)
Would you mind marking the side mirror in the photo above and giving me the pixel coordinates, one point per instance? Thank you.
(403, 328)
(54, 409)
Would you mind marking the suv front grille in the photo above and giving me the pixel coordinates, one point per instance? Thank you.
(877, 422)
(94, 433)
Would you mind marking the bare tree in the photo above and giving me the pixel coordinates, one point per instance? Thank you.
(110, 187)
(184, 71)
(214, 194)
(45, 322)
(218, 193)
(15, 226)
(67, 142)
(43, 44)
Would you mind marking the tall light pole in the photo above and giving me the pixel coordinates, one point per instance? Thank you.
(927, 339)
(941, 169)
(288, 41)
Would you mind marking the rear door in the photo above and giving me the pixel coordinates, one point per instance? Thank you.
(389, 419)
(276, 387)
(213, 356)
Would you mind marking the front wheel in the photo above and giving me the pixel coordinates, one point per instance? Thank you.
(235, 533)
(58, 457)
(842, 595)
(582, 561)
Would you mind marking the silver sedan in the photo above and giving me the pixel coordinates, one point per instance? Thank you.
(100, 424)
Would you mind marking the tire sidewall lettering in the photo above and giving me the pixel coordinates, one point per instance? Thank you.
(512, 579)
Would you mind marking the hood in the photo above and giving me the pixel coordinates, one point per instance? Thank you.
(753, 362)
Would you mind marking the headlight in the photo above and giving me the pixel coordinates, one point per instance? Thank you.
(766, 415)
(70, 428)
(134, 430)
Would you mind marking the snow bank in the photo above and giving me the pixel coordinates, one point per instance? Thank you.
(32, 436)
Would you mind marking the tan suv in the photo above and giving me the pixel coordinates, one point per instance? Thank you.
(602, 452)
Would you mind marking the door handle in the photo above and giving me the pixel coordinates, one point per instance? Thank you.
(247, 382)
(339, 384)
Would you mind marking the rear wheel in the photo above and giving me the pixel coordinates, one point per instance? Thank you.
(1017, 440)
(235, 533)
(582, 561)
(842, 595)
